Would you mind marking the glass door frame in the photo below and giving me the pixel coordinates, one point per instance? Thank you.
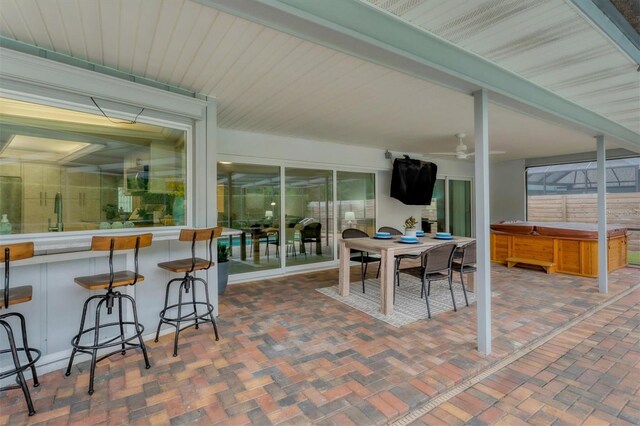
(283, 269)
(447, 201)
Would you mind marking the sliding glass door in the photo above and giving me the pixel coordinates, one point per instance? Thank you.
(249, 200)
(308, 222)
(460, 207)
(356, 201)
(450, 209)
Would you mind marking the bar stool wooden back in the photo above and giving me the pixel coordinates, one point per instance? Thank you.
(175, 314)
(110, 281)
(14, 296)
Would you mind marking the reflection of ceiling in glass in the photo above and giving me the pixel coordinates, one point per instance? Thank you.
(30, 148)
(63, 128)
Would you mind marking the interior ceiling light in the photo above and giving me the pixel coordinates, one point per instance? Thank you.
(33, 148)
(225, 162)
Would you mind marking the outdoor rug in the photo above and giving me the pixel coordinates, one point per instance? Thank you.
(408, 307)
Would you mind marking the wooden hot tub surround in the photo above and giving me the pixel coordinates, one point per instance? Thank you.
(569, 248)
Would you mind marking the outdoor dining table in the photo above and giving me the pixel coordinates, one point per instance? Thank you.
(388, 249)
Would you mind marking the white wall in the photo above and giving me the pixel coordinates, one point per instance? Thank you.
(508, 195)
(258, 148)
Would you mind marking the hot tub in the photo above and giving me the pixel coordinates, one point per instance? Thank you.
(570, 248)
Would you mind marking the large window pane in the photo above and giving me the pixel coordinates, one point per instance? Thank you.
(249, 200)
(460, 207)
(356, 201)
(308, 224)
(62, 170)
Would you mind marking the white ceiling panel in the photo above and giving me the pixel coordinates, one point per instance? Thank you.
(270, 82)
(545, 41)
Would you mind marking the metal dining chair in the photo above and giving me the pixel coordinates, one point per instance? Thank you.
(398, 258)
(435, 265)
(361, 256)
(465, 262)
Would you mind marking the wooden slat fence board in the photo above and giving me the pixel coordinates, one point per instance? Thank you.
(623, 209)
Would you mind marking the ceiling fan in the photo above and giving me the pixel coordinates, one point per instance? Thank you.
(461, 152)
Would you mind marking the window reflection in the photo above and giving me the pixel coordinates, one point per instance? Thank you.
(62, 170)
(308, 233)
(249, 200)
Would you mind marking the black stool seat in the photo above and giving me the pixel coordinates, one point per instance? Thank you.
(187, 311)
(89, 340)
(15, 296)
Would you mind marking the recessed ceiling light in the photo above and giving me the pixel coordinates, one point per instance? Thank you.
(225, 162)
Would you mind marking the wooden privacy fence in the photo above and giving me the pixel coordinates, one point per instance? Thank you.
(623, 209)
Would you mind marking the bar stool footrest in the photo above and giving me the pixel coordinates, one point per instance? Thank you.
(75, 342)
(187, 317)
(23, 367)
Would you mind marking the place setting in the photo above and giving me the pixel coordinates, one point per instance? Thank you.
(443, 236)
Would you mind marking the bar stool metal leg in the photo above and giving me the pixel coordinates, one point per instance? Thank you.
(166, 303)
(18, 369)
(25, 342)
(139, 329)
(121, 341)
(195, 307)
(209, 306)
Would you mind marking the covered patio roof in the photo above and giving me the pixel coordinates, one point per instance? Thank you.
(350, 72)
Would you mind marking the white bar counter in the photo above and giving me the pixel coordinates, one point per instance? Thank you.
(53, 315)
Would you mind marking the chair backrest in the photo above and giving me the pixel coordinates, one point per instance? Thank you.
(390, 229)
(202, 234)
(353, 233)
(121, 242)
(12, 252)
(469, 253)
(312, 230)
(438, 258)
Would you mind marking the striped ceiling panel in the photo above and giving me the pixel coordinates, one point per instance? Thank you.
(269, 82)
(547, 42)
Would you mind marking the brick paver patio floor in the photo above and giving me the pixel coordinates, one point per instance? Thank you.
(588, 374)
(289, 355)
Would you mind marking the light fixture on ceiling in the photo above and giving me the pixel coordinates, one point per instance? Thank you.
(225, 162)
(34, 148)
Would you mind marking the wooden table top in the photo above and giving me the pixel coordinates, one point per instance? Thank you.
(393, 245)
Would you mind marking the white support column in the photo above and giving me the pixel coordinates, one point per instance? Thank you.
(211, 185)
(603, 270)
(483, 282)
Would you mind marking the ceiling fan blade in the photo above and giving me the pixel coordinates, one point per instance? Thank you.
(490, 152)
(443, 153)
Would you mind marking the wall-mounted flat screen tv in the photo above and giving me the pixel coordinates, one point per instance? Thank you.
(412, 181)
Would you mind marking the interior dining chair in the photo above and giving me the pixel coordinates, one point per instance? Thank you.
(273, 238)
(311, 233)
(361, 256)
(435, 266)
(465, 262)
(398, 258)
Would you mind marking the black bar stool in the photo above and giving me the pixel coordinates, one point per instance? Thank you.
(109, 282)
(14, 296)
(187, 283)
